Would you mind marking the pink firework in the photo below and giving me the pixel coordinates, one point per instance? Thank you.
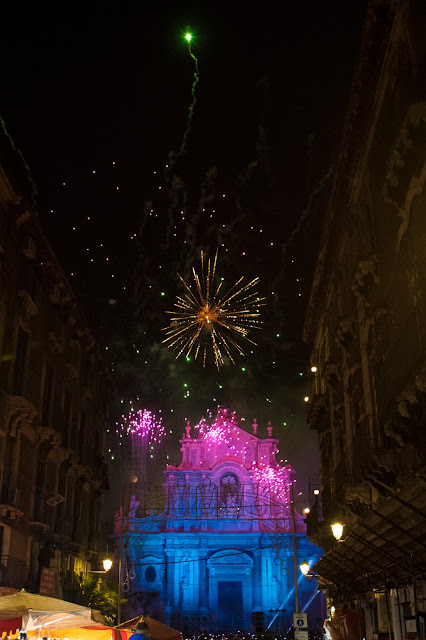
(146, 432)
(215, 435)
(219, 432)
(276, 480)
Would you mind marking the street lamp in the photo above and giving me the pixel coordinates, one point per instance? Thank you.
(305, 569)
(337, 530)
(107, 564)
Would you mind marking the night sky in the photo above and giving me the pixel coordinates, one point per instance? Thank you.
(96, 96)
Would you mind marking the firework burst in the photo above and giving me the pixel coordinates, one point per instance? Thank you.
(275, 480)
(208, 319)
(143, 432)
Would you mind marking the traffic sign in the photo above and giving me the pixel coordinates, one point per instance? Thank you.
(300, 620)
(301, 634)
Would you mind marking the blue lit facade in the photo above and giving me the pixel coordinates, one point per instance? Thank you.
(222, 548)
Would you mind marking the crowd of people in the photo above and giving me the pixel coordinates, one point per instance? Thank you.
(241, 635)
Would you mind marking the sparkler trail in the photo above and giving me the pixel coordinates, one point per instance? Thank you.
(206, 318)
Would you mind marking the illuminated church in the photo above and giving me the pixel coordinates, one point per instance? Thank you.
(219, 556)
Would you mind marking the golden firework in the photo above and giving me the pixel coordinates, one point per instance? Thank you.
(205, 319)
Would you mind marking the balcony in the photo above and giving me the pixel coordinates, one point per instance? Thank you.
(14, 572)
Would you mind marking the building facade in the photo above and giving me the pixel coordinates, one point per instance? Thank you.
(222, 552)
(53, 389)
(366, 319)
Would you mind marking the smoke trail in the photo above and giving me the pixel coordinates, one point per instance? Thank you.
(182, 149)
(176, 190)
(304, 215)
(207, 196)
(34, 190)
(178, 201)
(302, 219)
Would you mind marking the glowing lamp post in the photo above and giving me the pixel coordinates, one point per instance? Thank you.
(107, 564)
(337, 530)
(304, 568)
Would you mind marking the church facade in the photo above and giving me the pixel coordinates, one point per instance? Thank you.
(220, 555)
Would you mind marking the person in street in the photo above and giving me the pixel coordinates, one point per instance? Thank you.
(140, 632)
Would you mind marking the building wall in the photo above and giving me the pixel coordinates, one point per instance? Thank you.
(53, 386)
(366, 314)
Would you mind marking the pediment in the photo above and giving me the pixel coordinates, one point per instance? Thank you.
(230, 556)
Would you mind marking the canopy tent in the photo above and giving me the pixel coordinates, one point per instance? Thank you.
(96, 632)
(156, 630)
(43, 612)
(10, 625)
(7, 591)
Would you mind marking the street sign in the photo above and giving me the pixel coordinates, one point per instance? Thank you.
(301, 634)
(300, 621)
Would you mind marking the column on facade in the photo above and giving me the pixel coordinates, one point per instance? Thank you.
(170, 577)
(201, 571)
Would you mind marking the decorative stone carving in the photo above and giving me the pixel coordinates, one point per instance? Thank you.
(54, 344)
(398, 433)
(86, 392)
(385, 458)
(18, 411)
(354, 491)
(332, 374)
(47, 434)
(23, 216)
(318, 417)
(365, 276)
(70, 373)
(400, 187)
(28, 309)
(345, 333)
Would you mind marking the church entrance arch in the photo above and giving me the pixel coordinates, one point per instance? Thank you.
(230, 589)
